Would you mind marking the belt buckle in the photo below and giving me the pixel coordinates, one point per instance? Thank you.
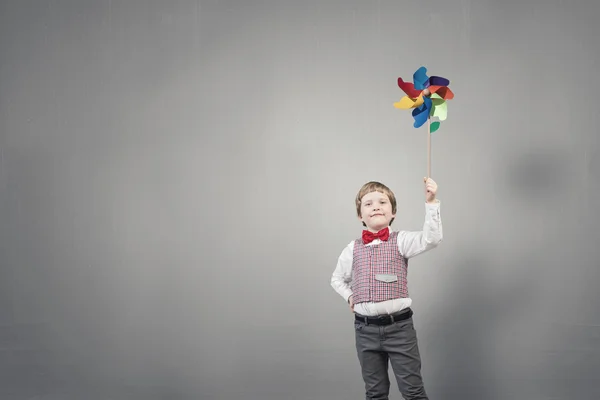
(383, 318)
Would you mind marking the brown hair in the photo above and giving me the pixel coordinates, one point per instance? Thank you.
(375, 187)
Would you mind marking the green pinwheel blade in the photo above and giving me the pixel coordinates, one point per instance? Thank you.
(439, 107)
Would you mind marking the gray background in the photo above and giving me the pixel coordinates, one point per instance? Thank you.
(177, 181)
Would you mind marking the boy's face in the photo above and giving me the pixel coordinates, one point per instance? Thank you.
(376, 211)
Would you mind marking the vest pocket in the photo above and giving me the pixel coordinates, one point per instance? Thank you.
(386, 278)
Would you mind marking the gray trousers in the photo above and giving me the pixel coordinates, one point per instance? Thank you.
(397, 344)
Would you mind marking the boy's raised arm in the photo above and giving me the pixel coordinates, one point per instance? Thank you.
(411, 244)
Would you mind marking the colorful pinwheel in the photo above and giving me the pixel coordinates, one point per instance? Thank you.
(427, 97)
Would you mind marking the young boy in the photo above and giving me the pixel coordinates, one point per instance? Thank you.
(371, 275)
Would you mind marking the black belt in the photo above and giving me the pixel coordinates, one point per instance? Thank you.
(385, 319)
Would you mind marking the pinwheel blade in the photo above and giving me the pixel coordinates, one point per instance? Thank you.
(439, 81)
(436, 99)
(406, 102)
(439, 107)
(420, 79)
(421, 114)
(444, 92)
(408, 88)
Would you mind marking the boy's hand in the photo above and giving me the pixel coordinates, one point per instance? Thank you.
(430, 190)
(351, 302)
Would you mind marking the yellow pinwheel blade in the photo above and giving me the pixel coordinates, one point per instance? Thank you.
(406, 102)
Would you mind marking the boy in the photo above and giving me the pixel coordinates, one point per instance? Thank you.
(371, 275)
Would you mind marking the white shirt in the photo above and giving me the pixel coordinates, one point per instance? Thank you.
(410, 244)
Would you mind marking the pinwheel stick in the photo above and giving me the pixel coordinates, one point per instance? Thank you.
(426, 92)
(429, 147)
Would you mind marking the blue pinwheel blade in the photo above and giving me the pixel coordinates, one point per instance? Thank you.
(420, 79)
(420, 114)
(439, 81)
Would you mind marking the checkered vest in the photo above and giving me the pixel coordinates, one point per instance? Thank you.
(379, 271)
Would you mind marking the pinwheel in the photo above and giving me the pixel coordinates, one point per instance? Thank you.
(427, 97)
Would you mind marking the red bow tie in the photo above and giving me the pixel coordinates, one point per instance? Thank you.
(368, 236)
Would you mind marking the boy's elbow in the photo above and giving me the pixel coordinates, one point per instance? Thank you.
(334, 282)
(435, 240)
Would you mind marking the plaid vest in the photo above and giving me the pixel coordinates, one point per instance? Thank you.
(379, 272)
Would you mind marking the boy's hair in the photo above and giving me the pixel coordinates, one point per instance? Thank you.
(375, 187)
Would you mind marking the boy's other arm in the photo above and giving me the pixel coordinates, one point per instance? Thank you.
(412, 244)
(342, 275)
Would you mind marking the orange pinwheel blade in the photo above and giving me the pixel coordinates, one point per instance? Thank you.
(443, 91)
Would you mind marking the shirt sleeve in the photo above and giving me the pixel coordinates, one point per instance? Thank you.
(411, 244)
(342, 275)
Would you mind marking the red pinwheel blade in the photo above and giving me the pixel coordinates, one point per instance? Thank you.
(408, 88)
